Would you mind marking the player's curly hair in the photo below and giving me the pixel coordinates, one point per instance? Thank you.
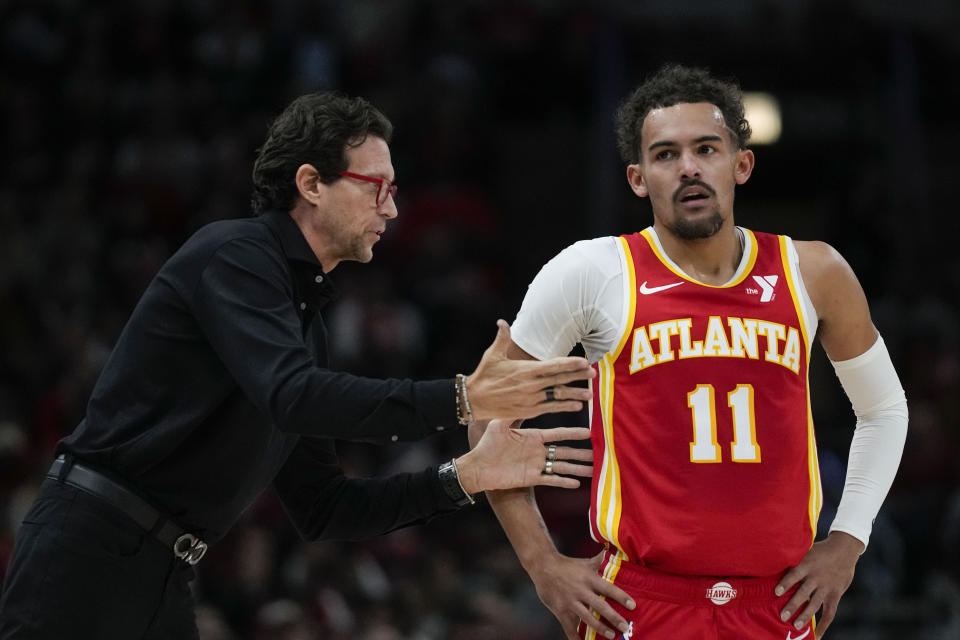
(677, 84)
(316, 129)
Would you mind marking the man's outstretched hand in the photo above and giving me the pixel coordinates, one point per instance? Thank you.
(512, 389)
(507, 458)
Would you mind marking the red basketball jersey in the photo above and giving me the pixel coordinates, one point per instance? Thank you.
(705, 460)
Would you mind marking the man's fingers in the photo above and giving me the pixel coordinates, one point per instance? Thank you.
(560, 378)
(562, 392)
(789, 579)
(535, 401)
(551, 407)
(563, 468)
(553, 480)
(545, 369)
(591, 620)
(573, 453)
(608, 614)
(559, 434)
(802, 595)
(613, 592)
(808, 612)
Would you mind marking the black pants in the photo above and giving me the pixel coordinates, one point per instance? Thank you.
(82, 569)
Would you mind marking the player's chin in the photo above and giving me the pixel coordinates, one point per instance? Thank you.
(696, 224)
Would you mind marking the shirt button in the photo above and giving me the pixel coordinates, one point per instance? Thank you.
(303, 306)
(318, 279)
(394, 438)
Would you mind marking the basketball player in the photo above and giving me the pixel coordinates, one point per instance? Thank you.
(706, 489)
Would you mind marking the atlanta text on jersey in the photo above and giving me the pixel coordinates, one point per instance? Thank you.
(782, 342)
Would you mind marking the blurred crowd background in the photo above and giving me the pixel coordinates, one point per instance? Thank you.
(128, 125)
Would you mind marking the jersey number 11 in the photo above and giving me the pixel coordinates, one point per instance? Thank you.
(704, 447)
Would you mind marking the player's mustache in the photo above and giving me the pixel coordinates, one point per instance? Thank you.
(692, 183)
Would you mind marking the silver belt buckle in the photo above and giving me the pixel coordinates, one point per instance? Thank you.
(189, 548)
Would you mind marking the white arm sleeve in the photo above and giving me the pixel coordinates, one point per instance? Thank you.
(576, 297)
(874, 390)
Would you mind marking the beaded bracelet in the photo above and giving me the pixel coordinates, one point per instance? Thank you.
(464, 412)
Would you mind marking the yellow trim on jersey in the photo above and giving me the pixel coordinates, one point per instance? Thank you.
(609, 501)
(608, 498)
(613, 567)
(751, 260)
(813, 464)
(632, 301)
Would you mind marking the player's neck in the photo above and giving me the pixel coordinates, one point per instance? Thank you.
(711, 260)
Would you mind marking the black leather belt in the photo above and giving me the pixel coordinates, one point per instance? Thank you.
(184, 545)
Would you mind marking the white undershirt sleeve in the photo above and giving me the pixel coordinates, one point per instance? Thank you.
(576, 297)
(874, 390)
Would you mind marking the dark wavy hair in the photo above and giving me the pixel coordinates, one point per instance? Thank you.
(315, 129)
(676, 84)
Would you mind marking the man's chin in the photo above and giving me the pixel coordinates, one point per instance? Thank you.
(705, 226)
(359, 256)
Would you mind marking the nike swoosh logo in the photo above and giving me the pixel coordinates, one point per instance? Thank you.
(645, 290)
(790, 635)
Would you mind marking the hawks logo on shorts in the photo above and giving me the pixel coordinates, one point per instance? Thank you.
(701, 420)
(721, 593)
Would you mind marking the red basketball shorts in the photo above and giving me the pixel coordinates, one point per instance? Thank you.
(671, 607)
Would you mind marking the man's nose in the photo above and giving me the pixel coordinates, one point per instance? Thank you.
(389, 207)
(689, 165)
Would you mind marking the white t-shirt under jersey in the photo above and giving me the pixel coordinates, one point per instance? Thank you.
(580, 296)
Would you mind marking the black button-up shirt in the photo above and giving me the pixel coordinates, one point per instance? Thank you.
(218, 385)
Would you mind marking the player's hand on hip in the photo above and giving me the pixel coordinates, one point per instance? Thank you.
(508, 458)
(573, 590)
(824, 574)
(504, 388)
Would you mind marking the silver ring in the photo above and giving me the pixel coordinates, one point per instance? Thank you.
(550, 394)
(551, 453)
(548, 468)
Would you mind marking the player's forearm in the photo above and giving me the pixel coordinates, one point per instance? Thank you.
(874, 458)
(874, 389)
(517, 511)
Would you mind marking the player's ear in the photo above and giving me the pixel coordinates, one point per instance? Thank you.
(743, 166)
(308, 183)
(636, 181)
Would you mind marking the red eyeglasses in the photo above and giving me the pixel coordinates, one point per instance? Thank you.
(384, 189)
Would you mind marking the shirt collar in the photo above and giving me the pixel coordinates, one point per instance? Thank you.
(295, 246)
(315, 286)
